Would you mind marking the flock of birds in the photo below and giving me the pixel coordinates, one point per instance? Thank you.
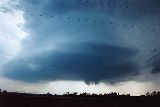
(113, 5)
(108, 5)
(104, 21)
(114, 23)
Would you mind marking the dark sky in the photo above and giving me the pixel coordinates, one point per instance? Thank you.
(95, 41)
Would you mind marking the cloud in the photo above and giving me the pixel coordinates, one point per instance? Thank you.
(11, 34)
(154, 62)
(89, 62)
(85, 40)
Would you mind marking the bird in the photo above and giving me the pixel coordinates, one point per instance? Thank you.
(85, 20)
(68, 18)
(154, 50)
(102, 21)
(60, 17)
(78, 19)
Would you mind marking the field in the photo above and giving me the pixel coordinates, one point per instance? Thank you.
(48, 100)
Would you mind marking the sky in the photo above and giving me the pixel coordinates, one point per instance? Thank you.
(95, 46)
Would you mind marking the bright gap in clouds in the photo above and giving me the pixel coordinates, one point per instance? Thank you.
(11, 33)
(131, 87)
(61, 87)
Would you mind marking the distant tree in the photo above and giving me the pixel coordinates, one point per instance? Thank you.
(158, 93)
(75, 93)
(5, 91)
(147, 94)
(94, 94)
(67, 93)
(49, 94)
(153, 93)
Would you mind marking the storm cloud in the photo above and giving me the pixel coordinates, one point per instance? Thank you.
(89, 62)
(92, 41)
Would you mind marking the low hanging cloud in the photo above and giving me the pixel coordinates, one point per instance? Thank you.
(91, 63)
(92, 41)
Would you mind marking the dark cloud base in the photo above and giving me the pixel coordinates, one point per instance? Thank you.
(100, 62)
